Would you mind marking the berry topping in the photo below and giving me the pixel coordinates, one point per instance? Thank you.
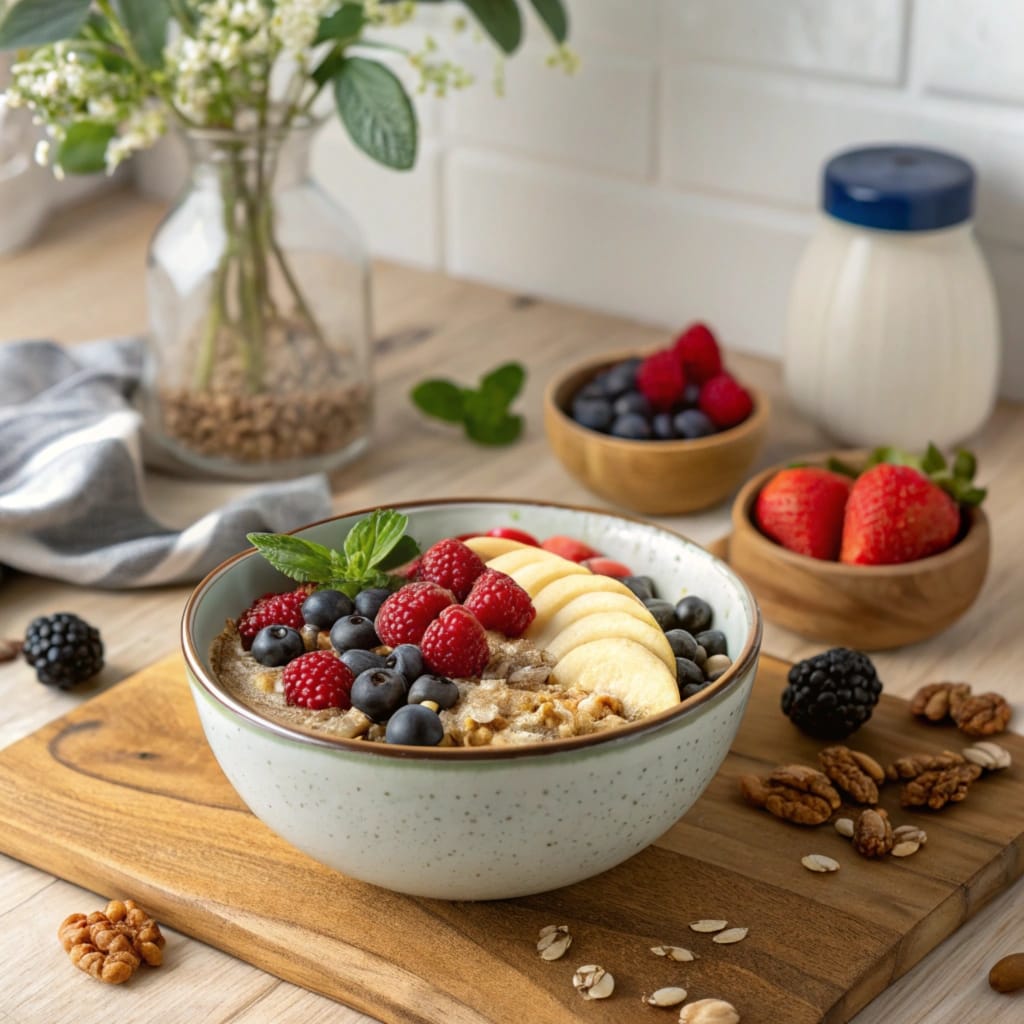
(511, 533)
(317, 680)
(452, 565)
(443, 692)
(359, 660)
(499, 603)
(694, 614)
(379, 693)
(277, 645)
(725, 401)
(642, 586)
(407, 659)
(455, 644)
(323, 608)
(405, 615)
(697, 351)
(416, 726)
(832, 694)
(682, 642)
(661, 379)
(631, 426)
(689, 673)
(368, 601)
(354, 631)
(594, 413)
(713, 641)
(272, 610)
(63, 649)
(569, 547)
(802, 509)
(608, 567)
(664, 612)
(691, 424)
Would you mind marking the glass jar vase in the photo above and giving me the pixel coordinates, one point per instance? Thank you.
(259, 353)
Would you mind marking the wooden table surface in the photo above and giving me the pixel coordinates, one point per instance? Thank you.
(84, 279)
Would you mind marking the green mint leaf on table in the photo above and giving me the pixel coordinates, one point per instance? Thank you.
(441, 399)
(503, 384)
(496, 432)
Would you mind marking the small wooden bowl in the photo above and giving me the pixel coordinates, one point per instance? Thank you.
(868, 607)
(652, 477)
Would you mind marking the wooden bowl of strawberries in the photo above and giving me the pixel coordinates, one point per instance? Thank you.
(870, 550)
(661, 433)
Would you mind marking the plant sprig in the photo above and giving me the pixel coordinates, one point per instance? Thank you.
(372, 547)
(483, 411)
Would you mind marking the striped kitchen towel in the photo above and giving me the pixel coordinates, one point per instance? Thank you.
(73, 479)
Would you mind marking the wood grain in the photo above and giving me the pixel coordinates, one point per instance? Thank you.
(820, 947)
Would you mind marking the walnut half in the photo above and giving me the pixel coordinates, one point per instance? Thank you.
(857, 774)
(110, 944)
(983, 714)
(872, 835)
(938, 701)
(793, 792)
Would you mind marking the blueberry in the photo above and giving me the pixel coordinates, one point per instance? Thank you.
(277, 645)
(682, 643)
(690, 689)
(621, 377)
(700, 656)
(407, 659)
(642, 586)
(379, 693)
(663, 612)
(632, 426)
(359, 660)
(368, 601)
(592, 389)
(691, 396)
(593, 413)
(323, 608)
(443, 692)
(415, 725)
(694, 614)
(631, 401)
(354, 631)
(692, 423)
(688, 672)
(661, 426)
(713, 641)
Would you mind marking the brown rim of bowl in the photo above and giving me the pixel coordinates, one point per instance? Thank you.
(743, 518)
(586, 370)
(725, 682)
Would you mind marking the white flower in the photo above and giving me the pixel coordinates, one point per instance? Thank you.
(295, 23)
(42, 152)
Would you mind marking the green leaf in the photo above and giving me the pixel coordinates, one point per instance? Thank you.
(404, 551)
(146, 22)
(965, 465)
(843, 468)
(553, 14)
(501, 20)
(503, 384)
(376, 112)
(973, 496)
(299, 559)
(27, 23)
(372, 538)
(501, 430)
(933, 461)
(439, 398)
(344, 23)
(83, 150)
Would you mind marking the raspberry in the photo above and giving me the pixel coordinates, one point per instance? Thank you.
(455, 644)
(499, 603)
(725, 401)
(698, 353)
(405, 615)
(318, 680)
(63, 649)
(272, 610)
(661, 379)
(452, 565)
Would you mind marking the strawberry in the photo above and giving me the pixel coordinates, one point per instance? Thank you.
(273, 610)
(725, 401)
(511, 533)
(607, 567)
(455, 644)
(451, 564)
(568, 547)
(698, 353)
(405, 615)
(896, 514)
(802, 509)
(499, 603)
(660, 379)
(318, 680)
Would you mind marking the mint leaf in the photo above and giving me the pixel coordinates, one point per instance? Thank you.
(404, 551)
(503, 430)
(503, 384)
(372, 538)
(439, 398)
(299, 559)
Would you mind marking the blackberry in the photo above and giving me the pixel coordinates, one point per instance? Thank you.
(832, 694)
(63, 649)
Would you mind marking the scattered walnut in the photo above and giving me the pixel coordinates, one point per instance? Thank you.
(935, 789)
(872, 835)
(709, 1011)
(912, 765)
(793, 792)
(854, 772)
(937, 701)
(983, 714)
(110, 944)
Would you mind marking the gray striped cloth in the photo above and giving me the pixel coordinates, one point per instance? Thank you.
(73, 479)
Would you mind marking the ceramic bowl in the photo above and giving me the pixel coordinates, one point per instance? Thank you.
(652, 477)
(869, 607)
(480, 823)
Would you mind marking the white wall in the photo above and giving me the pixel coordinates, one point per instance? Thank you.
(676, 176)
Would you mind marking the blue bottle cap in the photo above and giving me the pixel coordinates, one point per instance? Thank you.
(899, 188)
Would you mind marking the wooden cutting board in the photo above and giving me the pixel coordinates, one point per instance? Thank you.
(123, 797)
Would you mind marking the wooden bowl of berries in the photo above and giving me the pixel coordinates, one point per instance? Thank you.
(662, 434)
(868, 550)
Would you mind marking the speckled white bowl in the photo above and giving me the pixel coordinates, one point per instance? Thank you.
(473, 824)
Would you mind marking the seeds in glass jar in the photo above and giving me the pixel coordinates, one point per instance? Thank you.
(731, 935)
(707, 925)
(674, 953)
(819, 862)
(670, 996)
(593, 982)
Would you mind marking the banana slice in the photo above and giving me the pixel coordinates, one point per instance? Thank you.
(587, 603)
(557, 594)
(491, 547)
(512, 561)
(610, 625)
(535, 577)
(621, 668)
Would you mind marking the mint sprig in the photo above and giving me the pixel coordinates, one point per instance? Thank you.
(483, 411)
(372, 547)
